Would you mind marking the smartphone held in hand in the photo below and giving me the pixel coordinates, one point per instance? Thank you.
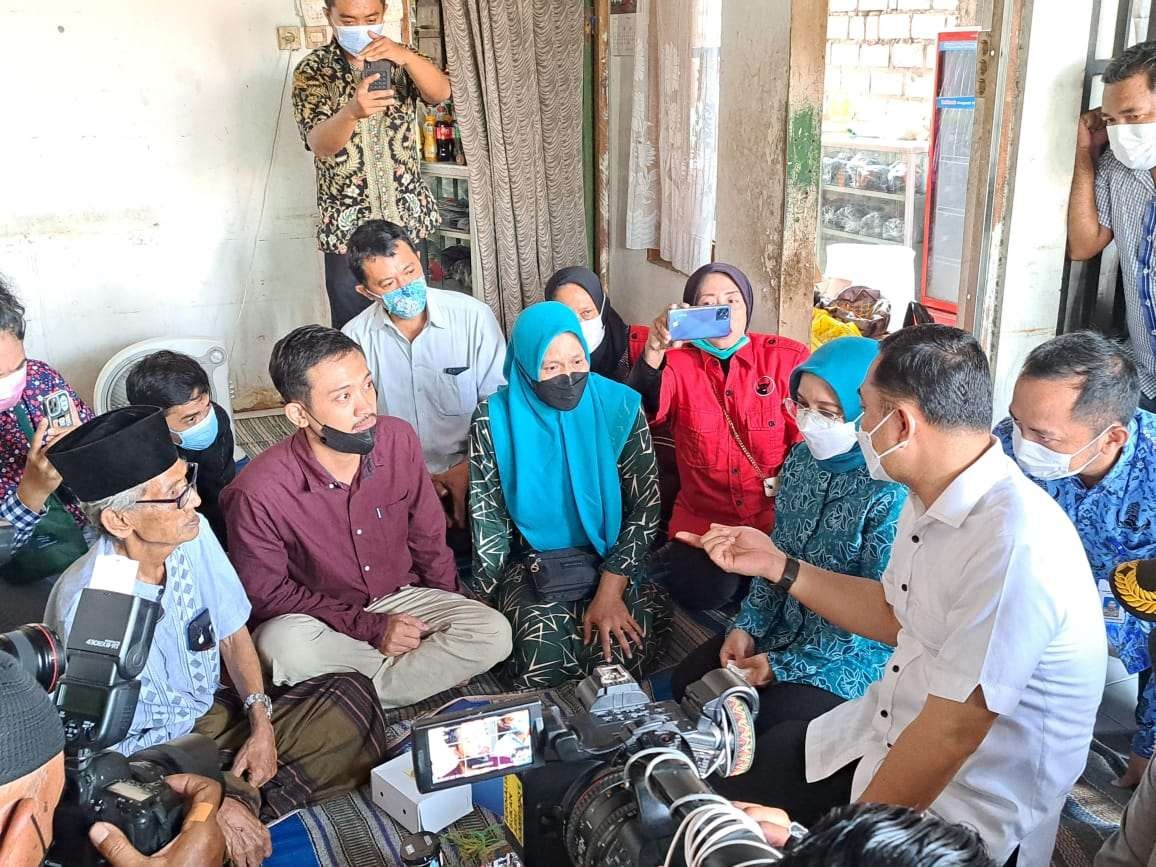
(384, 68)
(57, 409)
(699, 323)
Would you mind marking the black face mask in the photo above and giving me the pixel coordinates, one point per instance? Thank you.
(347, 443)
(561, 392)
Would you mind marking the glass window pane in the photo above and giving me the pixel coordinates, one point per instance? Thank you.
(1106, 32)
(1138, 29)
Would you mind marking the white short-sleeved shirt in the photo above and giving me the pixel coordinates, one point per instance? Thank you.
(436, 382)
(991, 588)
(178, 683)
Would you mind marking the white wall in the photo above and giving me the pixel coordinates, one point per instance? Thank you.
(1027, 262)
(640, 289)
(135, 153)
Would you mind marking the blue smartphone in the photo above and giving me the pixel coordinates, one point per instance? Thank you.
(699, 323)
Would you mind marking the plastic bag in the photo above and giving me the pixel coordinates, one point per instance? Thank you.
(825, 328)
(863, 307)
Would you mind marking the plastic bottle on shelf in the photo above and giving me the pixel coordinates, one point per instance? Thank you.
(429, 151)
(459, 151)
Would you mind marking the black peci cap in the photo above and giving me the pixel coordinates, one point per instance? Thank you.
(30, 729)
(114, 452)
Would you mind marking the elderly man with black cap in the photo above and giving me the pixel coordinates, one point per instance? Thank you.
(317, 740)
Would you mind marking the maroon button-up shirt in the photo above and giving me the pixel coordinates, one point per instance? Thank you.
(303, 543)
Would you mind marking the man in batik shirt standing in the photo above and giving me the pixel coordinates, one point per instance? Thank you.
(364, 142)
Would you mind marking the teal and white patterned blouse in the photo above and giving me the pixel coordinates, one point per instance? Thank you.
(844, 522)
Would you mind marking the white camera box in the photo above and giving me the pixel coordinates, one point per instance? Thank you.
(395, 791)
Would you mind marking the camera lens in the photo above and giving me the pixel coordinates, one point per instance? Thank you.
(38, 650)
(597, 806)
(188, 754)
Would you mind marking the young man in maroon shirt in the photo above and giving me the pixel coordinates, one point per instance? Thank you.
(340, 539)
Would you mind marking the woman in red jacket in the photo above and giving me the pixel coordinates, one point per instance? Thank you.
(723, 398)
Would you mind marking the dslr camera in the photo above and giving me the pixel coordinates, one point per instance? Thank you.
(95, 690)
(631, 771)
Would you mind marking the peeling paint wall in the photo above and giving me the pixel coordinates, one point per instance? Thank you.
(752, 141)
(149, 189)
(770, 125)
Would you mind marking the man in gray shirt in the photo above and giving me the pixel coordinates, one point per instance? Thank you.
(1114, 194)
(435, 354)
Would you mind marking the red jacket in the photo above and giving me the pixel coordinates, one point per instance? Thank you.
(718, 482)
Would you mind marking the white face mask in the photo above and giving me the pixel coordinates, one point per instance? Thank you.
(875, 459)
(1134, 144)
(355, 39)
(1042, 463)
(825, 437)
(594, 331)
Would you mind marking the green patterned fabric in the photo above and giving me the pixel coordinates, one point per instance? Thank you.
(548, 647)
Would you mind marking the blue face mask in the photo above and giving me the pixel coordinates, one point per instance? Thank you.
(201, 435)
(721, 354)
(407, 302)
(356, 39)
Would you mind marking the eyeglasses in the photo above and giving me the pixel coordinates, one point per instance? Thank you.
(793, 408)
(182, 499)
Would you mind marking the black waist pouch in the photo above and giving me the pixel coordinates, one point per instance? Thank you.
(563, 575)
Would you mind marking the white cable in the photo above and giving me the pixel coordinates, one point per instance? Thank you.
(705, 830)
(672, 756)
(654, 751)
(725, 757)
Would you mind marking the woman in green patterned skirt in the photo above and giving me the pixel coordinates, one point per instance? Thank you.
(562, 469)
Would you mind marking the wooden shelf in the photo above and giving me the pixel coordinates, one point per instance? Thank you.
(865, 239)
(446, 170)
(870, 194)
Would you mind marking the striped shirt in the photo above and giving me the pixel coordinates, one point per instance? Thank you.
(1126, 204)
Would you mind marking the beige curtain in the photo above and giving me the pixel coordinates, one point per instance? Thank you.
(516, 70)
(674, 130)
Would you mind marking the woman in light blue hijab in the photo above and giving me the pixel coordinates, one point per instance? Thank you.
(564, 507)
(831, 512)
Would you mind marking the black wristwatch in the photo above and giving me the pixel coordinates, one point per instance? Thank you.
(790, 574)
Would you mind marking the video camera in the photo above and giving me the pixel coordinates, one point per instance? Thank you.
(96, 690)
(633, 771)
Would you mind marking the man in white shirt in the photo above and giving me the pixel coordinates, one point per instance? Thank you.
(985, 710)
(434, 354)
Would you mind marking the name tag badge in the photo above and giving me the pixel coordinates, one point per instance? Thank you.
(1113, 611)
(456, 371)
(200, 633)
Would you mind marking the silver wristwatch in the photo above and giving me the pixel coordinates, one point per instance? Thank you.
(261, 699)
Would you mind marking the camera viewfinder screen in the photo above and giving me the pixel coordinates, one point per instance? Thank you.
(470, 748)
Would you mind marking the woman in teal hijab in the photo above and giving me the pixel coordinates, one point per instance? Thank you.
(829, 509)
(561, 459)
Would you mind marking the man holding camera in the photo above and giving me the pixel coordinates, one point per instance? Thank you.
(316, 741)
(362, 132)
(985, 710)
(32, 780)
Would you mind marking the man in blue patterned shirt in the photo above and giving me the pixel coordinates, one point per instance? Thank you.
(1076, 429)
